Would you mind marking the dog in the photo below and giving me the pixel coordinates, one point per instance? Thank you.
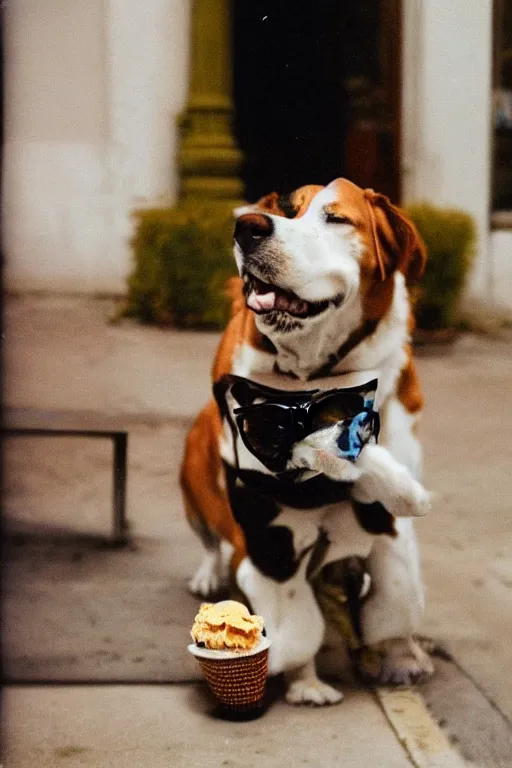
(324, 302)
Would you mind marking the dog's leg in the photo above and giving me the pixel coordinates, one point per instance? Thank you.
(393, 611)
(207, 505)
(213, 571)
(377, 475)
(295, 626)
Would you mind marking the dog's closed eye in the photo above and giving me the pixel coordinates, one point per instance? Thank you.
(337, 218)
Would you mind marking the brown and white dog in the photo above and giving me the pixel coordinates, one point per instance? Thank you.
(323, 301)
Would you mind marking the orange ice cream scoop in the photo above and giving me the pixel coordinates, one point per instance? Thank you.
(226, 626)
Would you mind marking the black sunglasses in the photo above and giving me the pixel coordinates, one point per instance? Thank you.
(270, 429)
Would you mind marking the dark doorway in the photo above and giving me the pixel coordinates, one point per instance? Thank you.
(317, 93)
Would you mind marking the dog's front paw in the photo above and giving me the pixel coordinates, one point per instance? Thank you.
(414, 501)
(209, 578)
(395, 662)
(387, 481)
(312, 691)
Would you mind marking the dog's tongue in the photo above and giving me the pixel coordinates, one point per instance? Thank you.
(261, 301)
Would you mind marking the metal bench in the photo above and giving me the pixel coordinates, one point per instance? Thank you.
(38, 423)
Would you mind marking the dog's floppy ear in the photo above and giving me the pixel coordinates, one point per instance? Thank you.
(290, 206)
(300, 199)
(271, 203)
(398, 243)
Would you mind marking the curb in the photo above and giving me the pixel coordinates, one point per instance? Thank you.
(422, 738)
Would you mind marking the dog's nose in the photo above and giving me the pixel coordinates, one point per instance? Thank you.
(251, 229)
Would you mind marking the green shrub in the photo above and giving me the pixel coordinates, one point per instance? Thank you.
(183, 257)
(449, 236)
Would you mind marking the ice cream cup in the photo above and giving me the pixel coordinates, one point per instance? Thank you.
(236, 678)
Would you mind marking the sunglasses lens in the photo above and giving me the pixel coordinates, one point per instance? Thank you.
(335, 408)
(267, 431)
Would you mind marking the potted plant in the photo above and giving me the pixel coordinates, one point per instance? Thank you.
(450, 237)
(182, 262)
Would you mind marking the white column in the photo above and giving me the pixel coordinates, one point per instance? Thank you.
(92, 92)
(447, 113)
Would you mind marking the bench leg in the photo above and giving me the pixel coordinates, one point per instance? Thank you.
(120, 472)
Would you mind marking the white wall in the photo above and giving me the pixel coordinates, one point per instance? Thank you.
(501, 271)
(92, 92)
(447, 114)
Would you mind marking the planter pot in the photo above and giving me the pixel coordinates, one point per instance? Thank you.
(436, 337)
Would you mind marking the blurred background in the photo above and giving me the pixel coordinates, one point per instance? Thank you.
(131, 130)
(410, 97)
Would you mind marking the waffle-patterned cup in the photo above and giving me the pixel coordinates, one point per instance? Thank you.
(237, 679)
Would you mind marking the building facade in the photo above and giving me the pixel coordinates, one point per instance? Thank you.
(93, 93)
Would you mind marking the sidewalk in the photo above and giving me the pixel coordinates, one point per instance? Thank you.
(61, 354)
(157, 727)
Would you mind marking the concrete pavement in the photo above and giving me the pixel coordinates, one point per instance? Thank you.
(153, 727)
(61, 353)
